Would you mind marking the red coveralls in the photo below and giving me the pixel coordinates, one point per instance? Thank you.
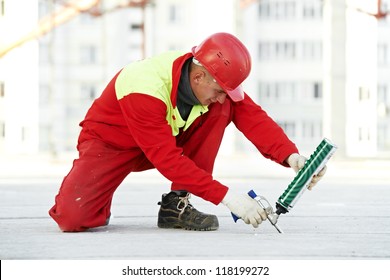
(132, 134)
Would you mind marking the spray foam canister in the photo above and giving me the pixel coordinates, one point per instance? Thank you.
(313, 166)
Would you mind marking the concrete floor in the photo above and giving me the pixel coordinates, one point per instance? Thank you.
(334, 221)
(345, 218)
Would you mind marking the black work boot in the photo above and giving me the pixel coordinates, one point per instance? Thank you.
(177, 212)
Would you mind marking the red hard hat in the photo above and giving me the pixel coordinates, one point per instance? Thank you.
(227, 60)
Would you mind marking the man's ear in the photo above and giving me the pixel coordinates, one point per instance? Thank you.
(199, 76)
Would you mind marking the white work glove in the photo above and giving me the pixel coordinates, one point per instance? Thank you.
(296, 162)
(245, 207)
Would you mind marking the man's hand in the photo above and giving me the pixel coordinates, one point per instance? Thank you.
(296, 162)
(245, 207)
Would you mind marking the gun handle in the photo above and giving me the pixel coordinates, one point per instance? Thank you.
(252, 194)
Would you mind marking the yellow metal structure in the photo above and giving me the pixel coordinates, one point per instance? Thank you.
(67, 11)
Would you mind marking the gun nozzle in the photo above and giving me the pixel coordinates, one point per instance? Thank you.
(273, 219)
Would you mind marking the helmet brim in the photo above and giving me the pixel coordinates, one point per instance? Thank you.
(236, 94)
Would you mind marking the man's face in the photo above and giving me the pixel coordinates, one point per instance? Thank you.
(206, 89)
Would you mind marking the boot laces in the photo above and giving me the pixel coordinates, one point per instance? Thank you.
(183, 203)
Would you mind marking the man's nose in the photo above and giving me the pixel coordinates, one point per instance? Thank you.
(221, 98)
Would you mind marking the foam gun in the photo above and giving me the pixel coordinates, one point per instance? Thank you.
(299, 184)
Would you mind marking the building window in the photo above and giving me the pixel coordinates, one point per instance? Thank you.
(288, 127)
(264, 10)
(290, 9)
(383, 137)
(88, 92)
(383, 101)
(136, 26)
(312, 9)
(2, 90)
(277, 50)
(288, 50)
(364, 93)
(311, 50)
(364, 134)
(2, 130)
(264, 52)
(311, 130)
(175, 14)
(282, 91)
(2, 7)
(308, 11)
(276, 9)
(88, 55)
(383, 96)
(262, 91)
(317, 90)
(288, 91)
(23, 134)
(172, 13)
(308, 130)
(311, 90)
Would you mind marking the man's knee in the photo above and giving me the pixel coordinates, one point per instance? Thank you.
(68, 221)
(76, 219)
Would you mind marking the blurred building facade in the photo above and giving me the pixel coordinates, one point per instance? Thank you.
(76, 61)
(383, 86)
(70, 66)
(19, 124)
(286, 42)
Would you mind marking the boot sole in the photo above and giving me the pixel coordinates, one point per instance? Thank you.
(178, 226)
